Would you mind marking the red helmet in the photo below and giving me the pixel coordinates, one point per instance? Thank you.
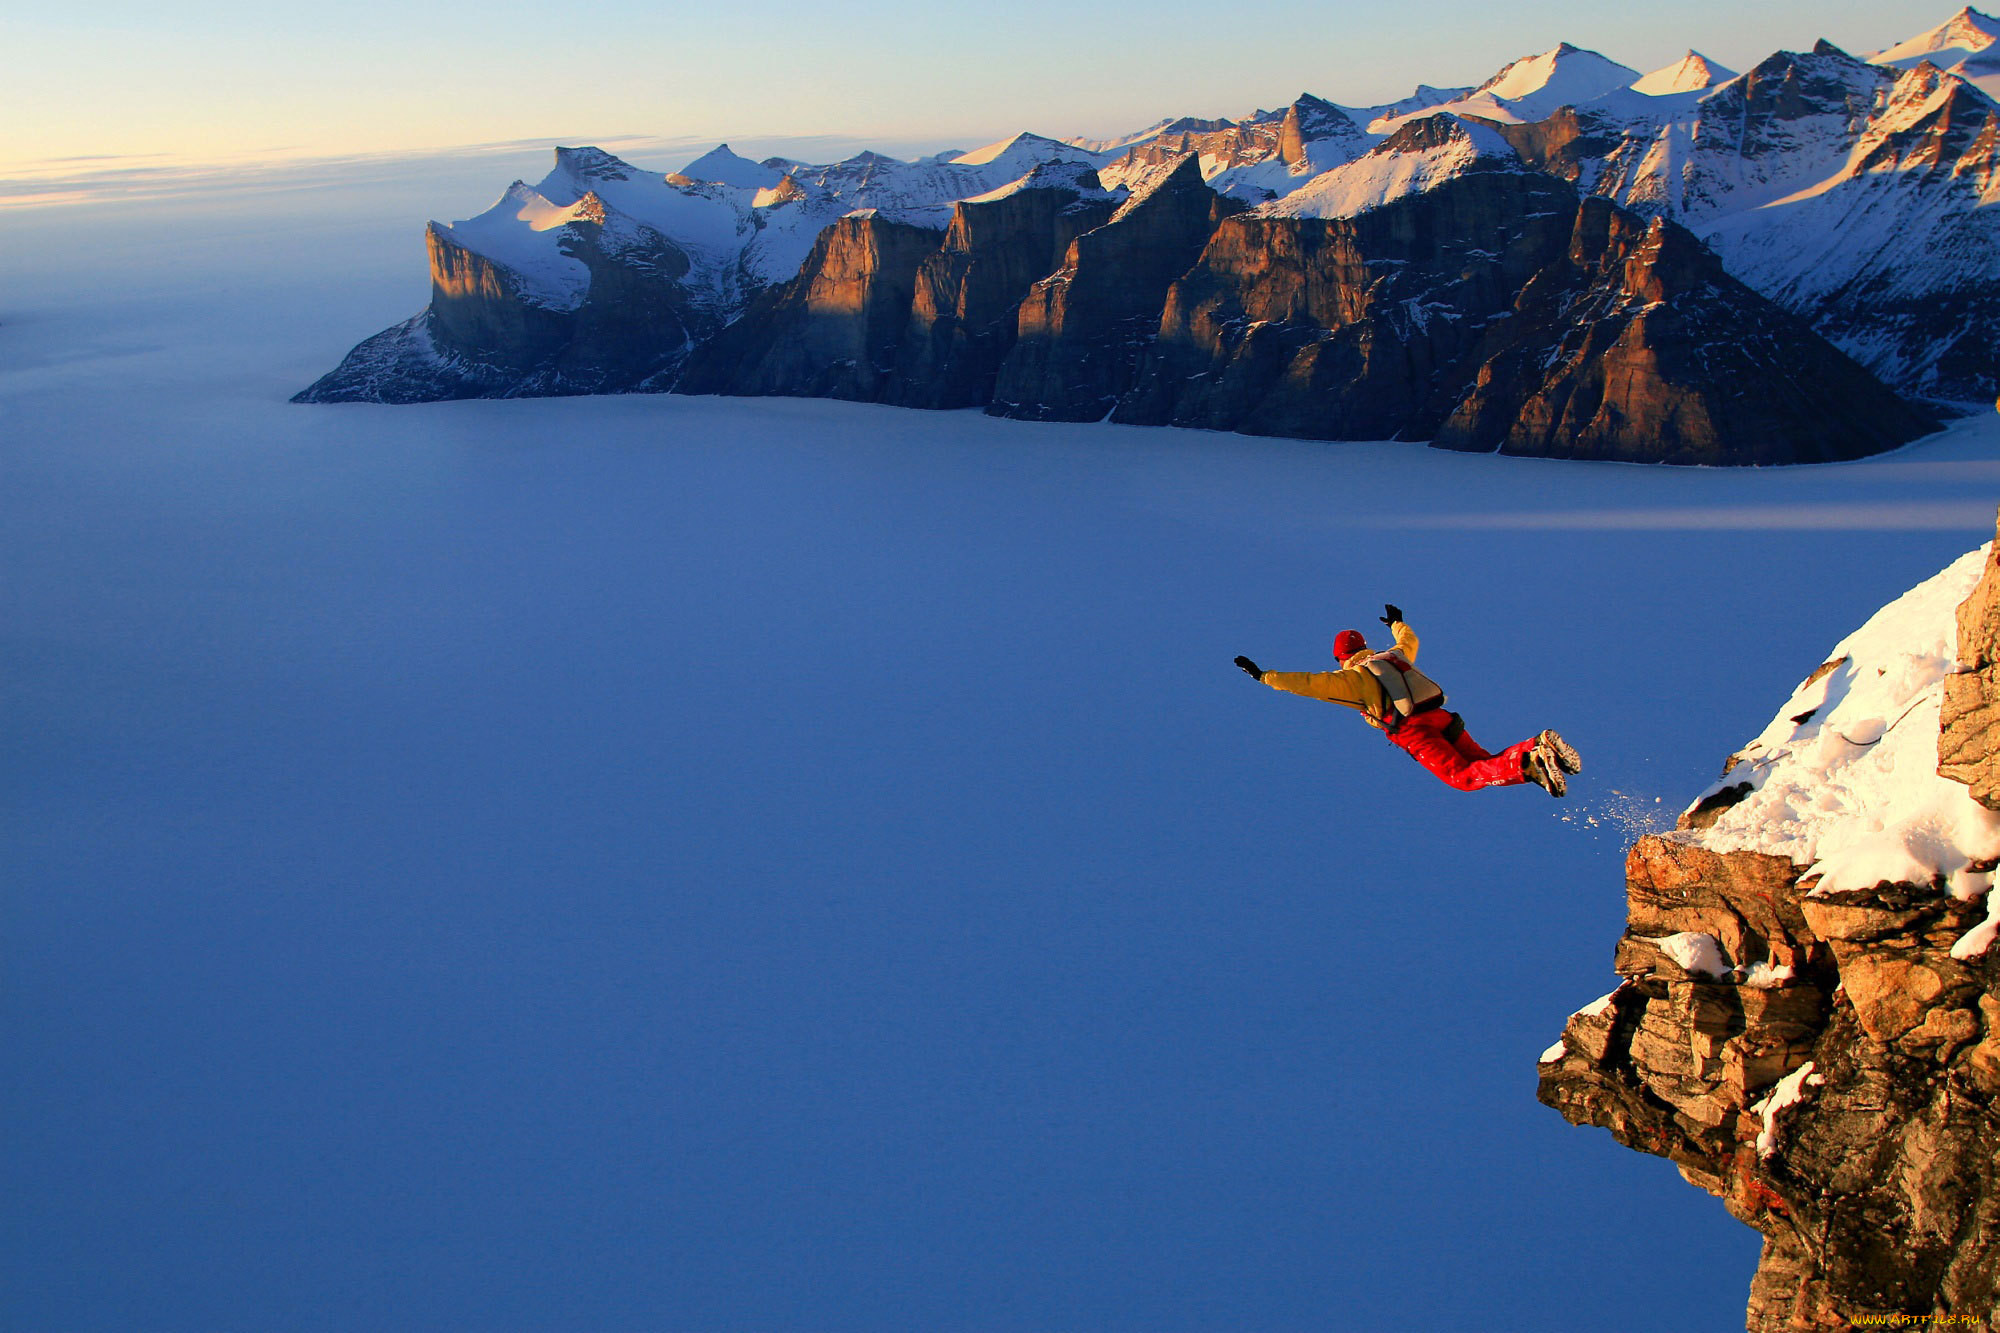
(1347, 643)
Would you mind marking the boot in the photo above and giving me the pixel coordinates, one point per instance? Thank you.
(1543, 770)
(1562, 751)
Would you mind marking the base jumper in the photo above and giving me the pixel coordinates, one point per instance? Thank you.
(1408, 707)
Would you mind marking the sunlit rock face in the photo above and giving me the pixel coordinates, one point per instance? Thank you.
(488, 332)
(831, 332)
(1495, 312)
(964, 313)
(1083, 328)
(1823, 1055)
(1969, 740)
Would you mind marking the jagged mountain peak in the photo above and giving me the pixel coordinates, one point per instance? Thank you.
(1691, 73)
(1825, 49)
(1315, 117)
(584, 164)
(1176, 174)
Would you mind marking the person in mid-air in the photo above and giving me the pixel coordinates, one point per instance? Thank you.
(1407, 706)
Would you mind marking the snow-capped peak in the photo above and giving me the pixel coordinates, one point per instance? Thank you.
(1568, 73)
(582, 168)
(1531, 88)
(720, 166)
(1964, 33)
(1690, 73)
(1023, 142)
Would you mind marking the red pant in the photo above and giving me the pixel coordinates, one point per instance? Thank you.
(1460, 760)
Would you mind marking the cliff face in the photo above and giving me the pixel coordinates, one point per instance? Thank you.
(964, 314)
(489, 332)
(1083, 328)
(1812, 1034)
(887, 312)
(1496, 312)
(1492, 310)
(831, 332)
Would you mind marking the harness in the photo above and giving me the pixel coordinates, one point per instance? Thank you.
(1407, 690)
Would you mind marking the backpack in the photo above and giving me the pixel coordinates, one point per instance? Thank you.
(1407, 690)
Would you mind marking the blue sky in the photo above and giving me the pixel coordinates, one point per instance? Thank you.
(214, 81)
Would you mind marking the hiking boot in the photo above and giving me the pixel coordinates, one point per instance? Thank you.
(1543, 770)
(1564, 753)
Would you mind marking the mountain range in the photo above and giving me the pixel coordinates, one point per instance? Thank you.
(1576, 259)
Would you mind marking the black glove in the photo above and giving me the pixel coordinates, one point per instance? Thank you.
(1391, 613)
(1250, 667)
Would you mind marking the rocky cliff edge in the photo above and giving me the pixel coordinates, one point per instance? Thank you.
(1808, 1022)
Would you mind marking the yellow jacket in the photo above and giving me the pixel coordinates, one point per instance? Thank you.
(1350, 685)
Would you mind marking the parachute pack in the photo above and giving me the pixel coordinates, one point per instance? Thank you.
(1408, 690)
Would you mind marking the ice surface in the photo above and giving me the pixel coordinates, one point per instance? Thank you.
(816, 860)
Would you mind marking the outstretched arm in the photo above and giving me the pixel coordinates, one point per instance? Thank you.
(1338, 687)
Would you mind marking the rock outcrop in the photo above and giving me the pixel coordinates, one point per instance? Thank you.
(1969, 731)
(1819, 1052)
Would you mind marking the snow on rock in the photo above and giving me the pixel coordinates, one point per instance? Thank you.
(1764, 976)
(1697, 954)
(1980, 938)
(1789, 1092)
(1553, 1053)
(1414, 160)
(1601, 1007)
(1845, 779)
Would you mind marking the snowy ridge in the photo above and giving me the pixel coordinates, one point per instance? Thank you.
(1392, 171)
(1964, 45)
(1531, 88)
(1844, 780)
